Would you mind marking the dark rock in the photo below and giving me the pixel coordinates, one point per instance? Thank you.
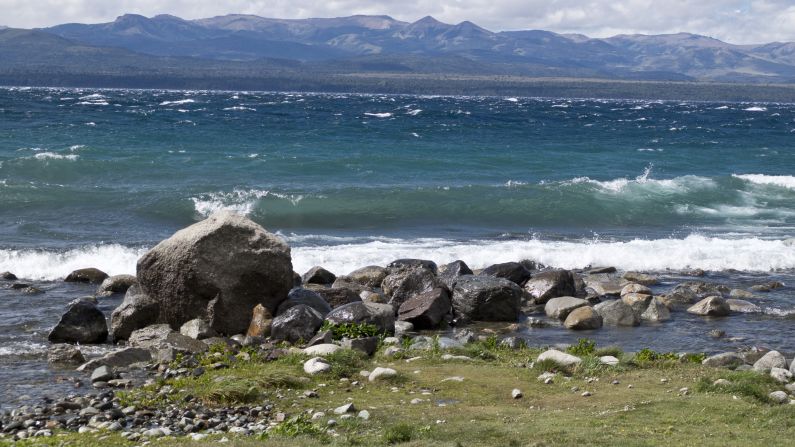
(449, 273)
(32, 290)
(299, 322)
(19, 286)
(512, 271)
(583, 318)
(318, 275)
(261, 322)
(115, 284)
(713, 306)
(82, 323)
(641, 278)
(381, 315)
(485, 298)
(8, 276)
(403, 284)
(617, 313)
(64, 354)
(368, 345)
(89, 275)
(342, 282)
(338, 297)
(412, 264)
(218, 269)
(297, 281)
(225, 341)
(370, 276)
(309, 298)
(550, 284)
(321, 338)
(426, 310)
(599, 270)
(137, 311)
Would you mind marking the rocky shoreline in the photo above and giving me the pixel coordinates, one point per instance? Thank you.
(223, 291)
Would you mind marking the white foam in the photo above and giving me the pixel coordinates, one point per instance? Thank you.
(92, 97)
(756, 109)
(54, 156)
(414, 112)
(644, 183)
(240, 108)
(93, 103)
(512, 99)
(44, 265)
(784, 181)
(378, 114)
(176, 103)
(695, 251)
(239, 200)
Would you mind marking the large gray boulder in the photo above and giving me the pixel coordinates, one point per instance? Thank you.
(408, 282)
(370, 276)
(637, 301)
(409, 263)
(561, 307)
(449, 273)
(550, 284)
(711, 306)
(82, 323)
(380, 315)
(485, 298)
(426, 310)
(770, 360)
(729, 360)
(217, 270)
(306, 297)
(605, 284)
(617, 313)
(137, 311)
(656, 311)
(115, 284)
(299, 322)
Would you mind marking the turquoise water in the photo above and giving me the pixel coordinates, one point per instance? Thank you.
(96, 177)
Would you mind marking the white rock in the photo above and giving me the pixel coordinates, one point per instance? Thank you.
(516, 393)
(392, 351)
(347, 408)
(391, 341)
(381, 373)
(559, 357)
(316, 365)
(364, 414)
(546, 376)
(455, 357)
(608, 360)
(197, 436)
(453, 379)
(780, 397)
(322, 349)
(780, 375)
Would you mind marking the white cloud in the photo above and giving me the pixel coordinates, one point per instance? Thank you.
(736, 21)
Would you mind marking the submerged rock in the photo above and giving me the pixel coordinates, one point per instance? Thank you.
(713, 306)
(65, 354)
(743, 306)
(82, 323)
(484, 298)
(88, 275)
(617, 313)
(218, 270)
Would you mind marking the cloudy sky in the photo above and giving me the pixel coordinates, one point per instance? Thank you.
(736, 21)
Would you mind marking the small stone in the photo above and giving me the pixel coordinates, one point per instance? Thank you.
(416, 401)
(780, 375)
(721, 382)
(608, 360)
(453, 379)
(102, 374)
(347, 408)
(516, 393)
(779, 397)
(364, 414)
(684, 391)
(615, 382)
(316, 365)
(586, 394)
(381, 373)
(663, 380)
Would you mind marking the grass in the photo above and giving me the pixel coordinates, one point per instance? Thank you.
(479, 411)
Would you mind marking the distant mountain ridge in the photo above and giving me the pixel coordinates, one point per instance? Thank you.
(362, 40)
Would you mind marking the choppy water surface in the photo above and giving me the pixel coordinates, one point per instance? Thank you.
(94, 178)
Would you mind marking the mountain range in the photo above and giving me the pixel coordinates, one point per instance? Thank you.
(246, 46)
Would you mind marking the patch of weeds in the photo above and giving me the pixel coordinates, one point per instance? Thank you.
(234, 391)
(745, 383)
(491, 343)
(613, 351)
(592, 366)
(583, 347)
(549, 365)
(646, 356)
(350, 330)
(296, 426)
(693, 358)
(398, 433)
(346, 363)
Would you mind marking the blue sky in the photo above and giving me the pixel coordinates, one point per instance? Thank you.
(735, 21)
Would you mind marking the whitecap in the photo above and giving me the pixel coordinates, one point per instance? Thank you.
(784, 181)
(512, 99)
(49, 265)
(178, 102)
(54, 156)
(240, 201)
(756, 109)
(378, 114)
(414, 112)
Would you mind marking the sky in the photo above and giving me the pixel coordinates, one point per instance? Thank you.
(735, 21)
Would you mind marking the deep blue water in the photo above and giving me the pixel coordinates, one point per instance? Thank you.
(95, 177)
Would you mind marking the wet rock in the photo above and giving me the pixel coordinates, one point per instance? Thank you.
(740, 294)
(306, 297)
(638, 302)
(449, 273)
(713, 306)
(772, 359)
(300, 322)
(635, 288)
(120, 358)
(743, 306)
(380, 373)
(403, 284)
(261, 322)
(318, 275)
(559, 357)
(641, 278)
(656, 311)
(729, 360)
(583, 318)
(601, 270)
(88, 275)
(137, 311)
(82, 323)
(550, 284)
(411, 264)
(426, 310)
(617, 313)
(380, 315)
(484, 298)
(218, 269)
(197, 329)
(370, 276)
(102, 374)
(8, 276)
(605, 284)
(766, 287)
(64, 354)
(512, 271)
(561, 307)
(115, 284)
(338, 297)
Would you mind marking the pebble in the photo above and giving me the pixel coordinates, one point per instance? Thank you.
(516, 393)
(586, 394)
(347, 408)
(364, 414)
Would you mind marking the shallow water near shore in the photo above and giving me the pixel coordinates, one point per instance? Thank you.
(93, 178)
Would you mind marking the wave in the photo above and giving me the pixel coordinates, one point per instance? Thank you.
(47, 265)
(54, 156)
(239, 200)
(378, 115)
(784, 181)
(178, 102)
(755, 109)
